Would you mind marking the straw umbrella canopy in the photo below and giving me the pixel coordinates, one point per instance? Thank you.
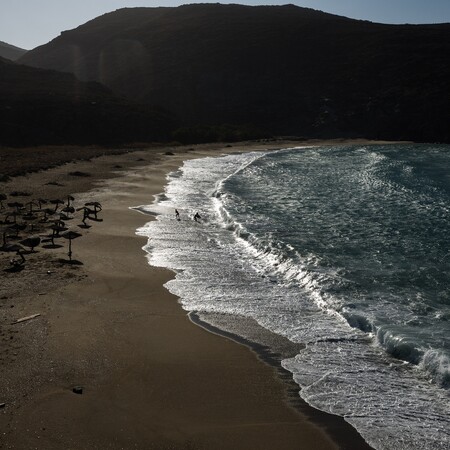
(4, 247)
(18, 227)
(68, 210)
(12, 214)
(97, 207)
(31, 242)
(47, 212)
(30, 205)
(69, 199)
(18, 249)
(56, 202)
(86, 212)
(16, 205)
(56, 229)
(30, 214)
(42, 201)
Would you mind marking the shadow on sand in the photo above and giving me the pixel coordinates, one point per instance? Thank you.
(70, 262)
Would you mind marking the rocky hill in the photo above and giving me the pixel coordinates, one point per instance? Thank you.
(11, 52)
(47, 107)
(285, 69)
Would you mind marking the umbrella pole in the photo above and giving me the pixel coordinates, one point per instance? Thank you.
(70, 249)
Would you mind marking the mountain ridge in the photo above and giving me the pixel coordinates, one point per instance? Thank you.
(11, 52)
(286, 69)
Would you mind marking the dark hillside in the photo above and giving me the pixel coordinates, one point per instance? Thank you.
(11, 52)
(290, 70)
(47, 107)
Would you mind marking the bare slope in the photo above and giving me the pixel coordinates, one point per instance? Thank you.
(284, 68)
(11, 52)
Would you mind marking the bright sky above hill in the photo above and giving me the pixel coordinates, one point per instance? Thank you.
(29, 23)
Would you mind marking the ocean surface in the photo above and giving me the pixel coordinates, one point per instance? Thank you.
(345, 249)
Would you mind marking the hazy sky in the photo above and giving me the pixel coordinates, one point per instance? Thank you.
(29, 23)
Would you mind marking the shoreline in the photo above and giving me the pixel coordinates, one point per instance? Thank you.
(341, 432)
(150, 379)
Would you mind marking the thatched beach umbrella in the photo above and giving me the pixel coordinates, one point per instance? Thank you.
(47, 212)
(68, 210)
(16, 265)
(56, 229)
(86, 212)
(12, 214)
(97, 207)
(30, 214)
(16, 205)
(18, 227)
(69, 199)
(2, 198)
(42, 201)
(70, 235)
(4, 243)
(31, 242)
(30, 204)
(56, 202)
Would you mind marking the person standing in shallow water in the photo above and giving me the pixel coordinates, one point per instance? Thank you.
(197, 216)
(177, 214)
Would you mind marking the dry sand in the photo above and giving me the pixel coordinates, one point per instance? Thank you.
(150, 378)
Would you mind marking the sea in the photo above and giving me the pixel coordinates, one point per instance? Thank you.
(343, 251)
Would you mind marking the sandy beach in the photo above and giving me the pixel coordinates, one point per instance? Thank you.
(150, 378)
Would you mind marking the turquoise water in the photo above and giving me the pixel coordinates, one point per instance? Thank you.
(344, 249)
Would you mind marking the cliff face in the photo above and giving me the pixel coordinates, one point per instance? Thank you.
(290, 70)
